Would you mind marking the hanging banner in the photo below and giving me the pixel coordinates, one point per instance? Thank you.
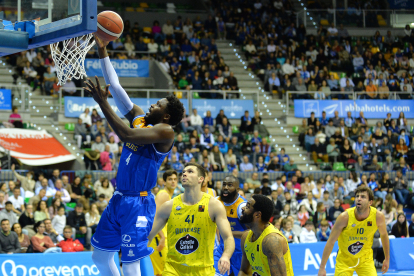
(33, 147)
(123, 68)
(5, 99)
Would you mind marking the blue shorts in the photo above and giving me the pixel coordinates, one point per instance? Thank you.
(235, 261)
(126, 223)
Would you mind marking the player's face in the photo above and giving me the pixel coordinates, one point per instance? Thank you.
(171, 182)
(156, 112)
(362, 201)
(248, 212)
(229, 190)
(190, 177)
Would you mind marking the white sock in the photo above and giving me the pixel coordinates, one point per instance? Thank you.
(105, 262)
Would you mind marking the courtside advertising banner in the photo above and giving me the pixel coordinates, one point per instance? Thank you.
(306, 258)
(123, 68)
(5, 99)
(33, 147)
(402, 254)
(49, 264)
(373, 109)
(233, 109)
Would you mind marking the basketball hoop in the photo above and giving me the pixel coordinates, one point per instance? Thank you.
(69, 57)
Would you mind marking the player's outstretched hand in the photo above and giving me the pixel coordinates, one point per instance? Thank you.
(101, 43)
(385, 266)
(98, 94)
(322, 272)
(224, 265)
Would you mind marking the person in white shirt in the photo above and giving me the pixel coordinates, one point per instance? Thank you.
(86, 117)
(342, 82)
(246, 166)
(152, 47)
(308, 235)
(165, 65)
(59, 220)
(17, 201)
(287, 68)
(332, 32)
(250, 49)
(271, 48)
(207, 139)
(196, 122)
(65, 197)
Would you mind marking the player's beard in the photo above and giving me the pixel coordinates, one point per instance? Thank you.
(246, 219)
(153, 119)
(229, 198)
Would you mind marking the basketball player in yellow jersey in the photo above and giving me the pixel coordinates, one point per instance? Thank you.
(265, 249)
(192, 220)
(207, 190)
(354, 229)
(159, 242)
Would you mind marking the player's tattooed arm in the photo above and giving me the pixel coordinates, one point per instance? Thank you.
(246, 268)
(273, 249)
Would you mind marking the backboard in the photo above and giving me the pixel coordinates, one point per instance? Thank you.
(57, 20)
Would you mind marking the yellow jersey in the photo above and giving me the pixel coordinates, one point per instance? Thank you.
(211, 192)
(258, 260)
(356, 238)
(191, 233)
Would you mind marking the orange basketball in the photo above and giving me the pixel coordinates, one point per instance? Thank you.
(110, 26)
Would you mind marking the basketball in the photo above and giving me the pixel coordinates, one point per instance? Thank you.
(110, 25)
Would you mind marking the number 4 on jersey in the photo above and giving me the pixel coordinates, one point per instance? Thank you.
(128, 159)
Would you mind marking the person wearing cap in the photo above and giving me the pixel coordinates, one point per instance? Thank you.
(308, 235)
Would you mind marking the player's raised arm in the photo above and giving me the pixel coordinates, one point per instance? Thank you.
(160, 133)
(122, 100)
(220, 218)
(161, 218)
(382, 228)
(245, 268)
(339, 225)
(273, 249)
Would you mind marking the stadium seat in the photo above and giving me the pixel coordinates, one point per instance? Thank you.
(234, 129)
(374, 50)
(179, 94)
(146, 40)
(143, 5)
(382, 23)
(196, 96)
(139, 10)
(379, 17)
(147, 30)
(395, 50)
(339, 166)
(70, 127)
(295, 129)
(343, 75)
(380, 164)
(130, 9)
(71, 205)
(324, 22)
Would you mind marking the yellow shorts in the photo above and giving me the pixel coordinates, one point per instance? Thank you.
(172, 269)
(364, 266)
(158, 258)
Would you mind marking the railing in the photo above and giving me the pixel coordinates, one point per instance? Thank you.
(356, 18)
(351, 95)
(185, 94)
(219, 176)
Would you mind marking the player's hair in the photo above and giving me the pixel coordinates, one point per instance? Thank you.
(264, 205)
(169, 173)
(175, 109)
(200, 169)
(363, 190)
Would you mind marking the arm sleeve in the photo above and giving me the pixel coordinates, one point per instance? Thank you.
(122, 101)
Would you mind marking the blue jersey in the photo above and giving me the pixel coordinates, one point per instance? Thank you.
(139, 164)
(234, 211)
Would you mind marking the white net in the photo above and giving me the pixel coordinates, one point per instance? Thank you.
(69, 56)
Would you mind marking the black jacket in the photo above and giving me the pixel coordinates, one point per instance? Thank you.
(76, 221)
(318, 148)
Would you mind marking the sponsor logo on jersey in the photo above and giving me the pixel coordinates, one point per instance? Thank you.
(126, 238)
(355, 248)
(353, 225)
(369, 223)
(201, 208)
(258, 248)
(178, 208)
(131, 253)
(186, 245)
(231, 211)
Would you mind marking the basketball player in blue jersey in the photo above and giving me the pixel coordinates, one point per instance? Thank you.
(128, 218)
(233, 203)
